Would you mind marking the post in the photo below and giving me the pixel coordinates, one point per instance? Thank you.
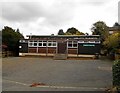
(77, 48)
(47, 48)
(37, 47)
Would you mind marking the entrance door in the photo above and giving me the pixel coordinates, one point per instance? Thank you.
(62, 47)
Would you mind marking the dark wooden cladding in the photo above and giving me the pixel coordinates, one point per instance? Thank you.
(42, 50)
(52, 50)
(72, 51)
(32, 50)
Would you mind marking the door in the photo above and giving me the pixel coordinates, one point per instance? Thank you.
(62, 47)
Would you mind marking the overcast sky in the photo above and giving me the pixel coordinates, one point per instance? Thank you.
(46, 17)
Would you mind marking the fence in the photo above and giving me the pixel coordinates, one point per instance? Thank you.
(7, 53)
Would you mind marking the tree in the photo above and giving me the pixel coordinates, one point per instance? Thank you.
(73, 31)
(10, 38)
(116, 24)
(52, 34)
(100, 28)
(112, 42)
(18, 34)
(61, 32)
(86, 33)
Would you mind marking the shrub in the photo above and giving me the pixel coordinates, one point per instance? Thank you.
(116, 73)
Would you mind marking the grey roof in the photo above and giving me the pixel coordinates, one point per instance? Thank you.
(115, 28)
(61, 36)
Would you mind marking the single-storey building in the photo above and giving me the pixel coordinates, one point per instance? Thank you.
(114, 29)
(60, 44)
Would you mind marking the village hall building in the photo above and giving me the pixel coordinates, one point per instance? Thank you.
(60, 44)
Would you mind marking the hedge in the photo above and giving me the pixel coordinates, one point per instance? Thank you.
(116, 73)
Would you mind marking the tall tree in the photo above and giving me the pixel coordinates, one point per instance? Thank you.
(10, 37)
(18, 34)
(61, 32)
(73, 31)
(100, 28)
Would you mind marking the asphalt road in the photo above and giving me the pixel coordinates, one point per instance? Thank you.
(58, 75)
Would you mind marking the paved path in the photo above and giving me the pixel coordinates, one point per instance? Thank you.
(57, 75)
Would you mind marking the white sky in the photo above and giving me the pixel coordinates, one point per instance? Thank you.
(46, 17)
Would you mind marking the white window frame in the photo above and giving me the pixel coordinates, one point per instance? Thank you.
(23, 40)
(81, 41)
(52, 43)
(91, 42)
(42, 42)
(97, 42)
(72, 42)
(32, 43)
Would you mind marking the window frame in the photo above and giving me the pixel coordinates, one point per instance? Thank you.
(72, 44)
(53, 43)
(44, 43)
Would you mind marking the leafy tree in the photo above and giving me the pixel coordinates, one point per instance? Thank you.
(86, 33)
(61, 32)
(10, 37)
(79, 33)
(52, 34)
(73, 31)
(116, 24)
(112, 42)
(100, 28)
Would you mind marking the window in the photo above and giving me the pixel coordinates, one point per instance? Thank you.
(23, 40)
(39, 43)
(81, 41)
(49, 43)
(30, 43)
(42, 43)
(52, 43)
(110, 32)
(86, 41)
(97, 41)
(72, 44)
(91, 41)
(69, 43)
(35, 43)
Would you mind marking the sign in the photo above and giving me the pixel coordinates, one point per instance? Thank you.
(88, 45)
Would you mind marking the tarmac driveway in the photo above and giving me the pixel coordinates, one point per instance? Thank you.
(57, 75)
